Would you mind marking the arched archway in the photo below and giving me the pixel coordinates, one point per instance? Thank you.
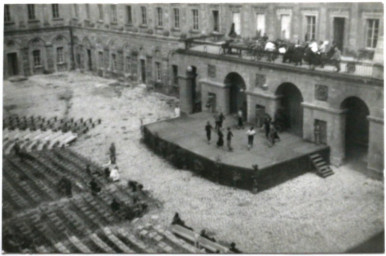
(356, 129)
(237, 97)
(290, 111)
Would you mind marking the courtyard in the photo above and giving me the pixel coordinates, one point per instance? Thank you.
(305, 215)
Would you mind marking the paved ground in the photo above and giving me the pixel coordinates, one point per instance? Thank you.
(307, 214)
(189, 133)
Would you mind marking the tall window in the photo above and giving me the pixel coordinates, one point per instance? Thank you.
(113, 62)
(195, 19)
(100, 9)
(176, 17)
(113, 13)
(159, 17)
(59, 55)
(260, 24)
(158, 70)
(144, 16)
(7, 13)
(372, 33)
(36, 58)
(100, 59)
(128, 15)
(127, 66)
(285, 26)
(215, 21)
(55, 11)
(237, 21)
(88, 11)
(310, 30)
(31, 11)
(76, 10)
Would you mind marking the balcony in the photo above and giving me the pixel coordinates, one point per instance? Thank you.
(244, 52)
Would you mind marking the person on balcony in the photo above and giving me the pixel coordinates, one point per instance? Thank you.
(336, 57)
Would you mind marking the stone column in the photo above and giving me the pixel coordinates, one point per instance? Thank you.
(186, 93)
(25, 61)
(224, 98)
(376, 150)
(336, 138)
(273, 104)
(308, 122)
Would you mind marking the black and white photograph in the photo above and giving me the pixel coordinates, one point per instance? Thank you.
(193, 127)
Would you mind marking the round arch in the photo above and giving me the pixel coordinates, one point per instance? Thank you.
(289, 114)
(356, 128)
(237, 97)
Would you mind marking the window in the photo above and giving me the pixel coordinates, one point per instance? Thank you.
(76, 10)
(159, 17)
(175, 74)
(310, 29)
(128, 15)
(260, 24)
(215, 21)
(237, 22)
(88, 11)
(55, 11)
(36, 58)
(100, 9)
(59, 55)
(100, 59)
(113, 13)
(7, 13)
(176, 17)
(31, 11)
(127, 66)
(285, 26)
(195, 19)
(143, 12)
(158, 71)
(113, 62)
(372, 32)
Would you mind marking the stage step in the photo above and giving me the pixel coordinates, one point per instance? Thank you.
(322, 168)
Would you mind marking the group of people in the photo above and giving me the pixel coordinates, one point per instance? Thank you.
(219, 119)
(271, 132)
(178, 221)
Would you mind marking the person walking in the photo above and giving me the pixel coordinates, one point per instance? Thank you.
(208, 129)
(221, 119)
(216, 121)
(220, 141)
(273, 135)
(229, 139)
(240, 119)
(251, 133)
(267, 125)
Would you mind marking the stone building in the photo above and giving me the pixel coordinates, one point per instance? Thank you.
(144, 43)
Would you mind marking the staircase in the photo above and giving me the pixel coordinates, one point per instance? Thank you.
(322, 168)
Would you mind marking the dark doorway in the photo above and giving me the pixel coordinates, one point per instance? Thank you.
(196, 97)
(12, 64)
(89, 60)
(357, 130)
(237, 97)
(260, 115)
(290, 112)
(143, 71)
(339, 32)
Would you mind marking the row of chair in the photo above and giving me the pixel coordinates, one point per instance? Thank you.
(80, 126)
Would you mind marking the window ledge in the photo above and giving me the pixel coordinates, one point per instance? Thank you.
(100, 21)
(33, 21)
(114, 23)
(176, 29)
(38, 66)
(143, 26)
(159, 27)
(9, 23)
(57, 19)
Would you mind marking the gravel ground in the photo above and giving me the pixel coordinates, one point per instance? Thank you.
(305, 215)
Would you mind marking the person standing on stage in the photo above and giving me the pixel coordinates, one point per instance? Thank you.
(229, 139)
(251, 133)
(208, 129)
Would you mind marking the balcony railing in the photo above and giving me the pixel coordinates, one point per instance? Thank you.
(237, 49)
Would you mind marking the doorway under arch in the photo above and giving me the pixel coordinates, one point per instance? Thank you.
(356, 129)
(237, 97)
(289, 114)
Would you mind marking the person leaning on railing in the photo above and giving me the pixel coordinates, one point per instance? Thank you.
(336, 57)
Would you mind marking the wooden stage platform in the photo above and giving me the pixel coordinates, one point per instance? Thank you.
(188, 134)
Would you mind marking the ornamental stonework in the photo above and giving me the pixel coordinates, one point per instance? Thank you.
(260, 81)
(321, 92)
